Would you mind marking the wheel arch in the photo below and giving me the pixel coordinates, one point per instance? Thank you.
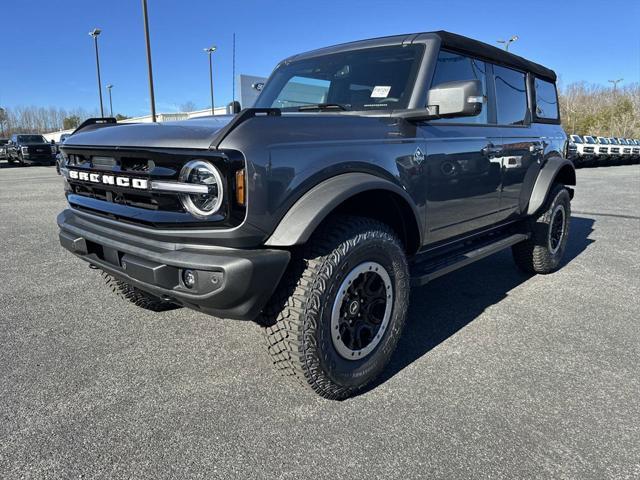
(350, 193)
(555, 170)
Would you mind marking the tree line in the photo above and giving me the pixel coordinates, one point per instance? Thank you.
(586, 109)
(33, 119)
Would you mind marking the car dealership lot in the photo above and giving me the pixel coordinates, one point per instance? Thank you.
(498, 374)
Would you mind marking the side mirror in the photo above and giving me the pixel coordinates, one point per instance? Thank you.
(456, 99)
(463, 98)
(233, 107)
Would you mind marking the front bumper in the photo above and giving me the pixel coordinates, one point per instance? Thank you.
(230, 283)
(38, 158)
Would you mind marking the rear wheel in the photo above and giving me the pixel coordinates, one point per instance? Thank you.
(136, 296)
(336, 318)
(543, 252)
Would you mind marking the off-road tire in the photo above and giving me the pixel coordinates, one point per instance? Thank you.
(535, 255)
(136, 296)
(297, 320)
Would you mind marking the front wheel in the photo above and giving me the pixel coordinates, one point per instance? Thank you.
(543, 252)
(338, 314)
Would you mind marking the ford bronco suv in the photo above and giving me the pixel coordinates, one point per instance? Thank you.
(363, 169)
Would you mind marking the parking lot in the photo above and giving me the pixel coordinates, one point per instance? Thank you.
(499, 375)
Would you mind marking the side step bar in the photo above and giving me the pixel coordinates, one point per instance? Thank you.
(429, 271)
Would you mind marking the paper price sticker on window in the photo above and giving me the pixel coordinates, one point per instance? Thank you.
(380, 91)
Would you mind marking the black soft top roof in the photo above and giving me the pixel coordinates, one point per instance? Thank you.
(449, 40)
(494, 54)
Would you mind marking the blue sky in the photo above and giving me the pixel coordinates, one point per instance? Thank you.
(48, 57)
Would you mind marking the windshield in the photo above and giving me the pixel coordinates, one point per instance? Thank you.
(589, 140)
(31, 139)
(369, 79)
(576, 139)
(613, 141)
(603, 141)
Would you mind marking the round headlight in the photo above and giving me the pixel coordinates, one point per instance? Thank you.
(202, 173)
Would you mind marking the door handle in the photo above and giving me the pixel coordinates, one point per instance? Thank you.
(491, 150)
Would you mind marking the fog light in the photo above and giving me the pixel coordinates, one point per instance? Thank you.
(189, 278)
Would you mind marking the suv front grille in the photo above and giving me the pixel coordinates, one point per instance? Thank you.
(588, 149)
(141, 204)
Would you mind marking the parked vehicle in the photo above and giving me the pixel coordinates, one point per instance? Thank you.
(581, 156)
(590, 156)
(602, 150)
(614, 149)
(59, 156)
(363, 169)
(29, 149)
(3, 147)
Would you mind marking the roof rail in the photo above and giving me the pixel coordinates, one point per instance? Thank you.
(94, 123)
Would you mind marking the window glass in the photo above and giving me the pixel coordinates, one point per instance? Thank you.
(576, 139)
(546, 100)
(452, 67)
(300, 91)
(589, 139)
(369, 79)
(511, 96)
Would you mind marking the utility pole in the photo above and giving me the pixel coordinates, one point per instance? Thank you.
(109, 87)
(95, 33)
(508, 42)
(209, 51)
(146, 35)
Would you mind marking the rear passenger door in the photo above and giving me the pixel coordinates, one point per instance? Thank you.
(522, 148)
(462, 169)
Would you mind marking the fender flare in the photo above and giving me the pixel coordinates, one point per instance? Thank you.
(552, 168)
(313, 207)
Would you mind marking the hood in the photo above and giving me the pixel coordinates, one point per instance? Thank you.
(197, 133)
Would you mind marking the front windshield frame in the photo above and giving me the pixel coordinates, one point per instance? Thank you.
(30, 138)
(283, 74)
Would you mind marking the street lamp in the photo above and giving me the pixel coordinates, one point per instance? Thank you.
(109, 87)
(209, 51)
(95, 33)
(508, 42)
(615, 83)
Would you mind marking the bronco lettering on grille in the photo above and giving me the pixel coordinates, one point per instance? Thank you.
(105, 179)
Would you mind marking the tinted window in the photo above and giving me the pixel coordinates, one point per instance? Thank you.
(31, 139)
(511, 96)
(368, 79)
(576, 139)
(546, 100)
(452, 67)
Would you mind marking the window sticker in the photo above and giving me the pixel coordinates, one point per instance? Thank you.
(380, 91)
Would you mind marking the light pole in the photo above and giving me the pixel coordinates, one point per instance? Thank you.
(615, 84)
(508, 42)
(209, 51)
(146, 36)
(95, 33)
(109, 87)
(615, 91)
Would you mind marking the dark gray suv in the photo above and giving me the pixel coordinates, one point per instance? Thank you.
(363, 169)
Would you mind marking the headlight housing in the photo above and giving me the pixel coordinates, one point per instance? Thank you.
(202, 205)
(24, 149)
(53, 149)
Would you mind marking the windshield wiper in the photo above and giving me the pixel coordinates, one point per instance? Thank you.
(323, 106)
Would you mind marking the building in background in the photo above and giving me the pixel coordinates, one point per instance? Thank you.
(249, 87)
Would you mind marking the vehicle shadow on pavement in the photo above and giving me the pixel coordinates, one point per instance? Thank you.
(438, 310)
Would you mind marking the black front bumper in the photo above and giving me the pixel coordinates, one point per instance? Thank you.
(230, 283)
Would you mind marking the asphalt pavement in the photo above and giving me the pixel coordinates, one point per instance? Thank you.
(498, 375)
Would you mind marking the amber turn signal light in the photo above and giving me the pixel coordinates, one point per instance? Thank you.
(241, 187)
